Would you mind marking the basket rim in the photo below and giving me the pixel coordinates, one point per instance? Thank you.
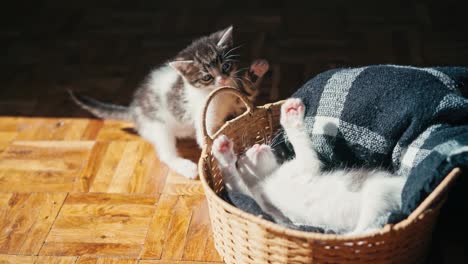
(423, 209)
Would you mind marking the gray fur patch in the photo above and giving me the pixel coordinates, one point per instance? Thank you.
(149, 102)
(176, 101)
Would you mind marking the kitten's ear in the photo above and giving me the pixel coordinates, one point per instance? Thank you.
(225, 37)
(183, 67)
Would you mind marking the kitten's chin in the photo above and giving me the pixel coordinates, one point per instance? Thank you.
(229, 82)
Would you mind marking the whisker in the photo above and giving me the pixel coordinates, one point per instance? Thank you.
(233, 60)
(240, 70)
(232, 56)
(277, 139)
(243, 81)
(237, 85)
(229, 51)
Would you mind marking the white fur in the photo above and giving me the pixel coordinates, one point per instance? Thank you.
(298, 191)
(162, 134)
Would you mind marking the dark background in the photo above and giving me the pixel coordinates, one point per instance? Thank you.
(104, 48)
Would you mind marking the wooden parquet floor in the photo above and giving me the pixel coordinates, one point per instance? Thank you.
(91, 191)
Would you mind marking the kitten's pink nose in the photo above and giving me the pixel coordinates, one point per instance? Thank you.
(222, 81)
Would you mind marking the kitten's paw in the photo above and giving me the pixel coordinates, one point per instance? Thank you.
(185, 167)
(222, 144)
(259, 67)
(292, 113)
(223, 150)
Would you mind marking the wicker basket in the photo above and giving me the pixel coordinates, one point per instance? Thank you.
(244, 238)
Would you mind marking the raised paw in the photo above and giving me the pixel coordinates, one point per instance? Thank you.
(259, 67)
(292, 113)
(223, 151)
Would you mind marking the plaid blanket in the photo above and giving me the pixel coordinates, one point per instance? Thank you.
(411, 121)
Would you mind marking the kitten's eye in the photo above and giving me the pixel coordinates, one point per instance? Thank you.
(226, 67)
(207, 78)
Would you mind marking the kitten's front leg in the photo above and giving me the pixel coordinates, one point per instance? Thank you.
(292, 120)
(254, 75)
(223, 151)
(258, 68)
(164, 141)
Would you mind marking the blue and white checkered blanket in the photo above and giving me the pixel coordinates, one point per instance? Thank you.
(412, 121)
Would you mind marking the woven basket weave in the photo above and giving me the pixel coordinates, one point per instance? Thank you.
(241, 237)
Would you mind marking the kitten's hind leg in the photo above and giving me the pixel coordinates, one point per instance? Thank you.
(380, 197)
(163, 139)
(292, 120)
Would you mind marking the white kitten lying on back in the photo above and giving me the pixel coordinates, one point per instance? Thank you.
(297, 191)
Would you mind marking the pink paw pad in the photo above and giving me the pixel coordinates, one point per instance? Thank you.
(223, 144)
(293, 106)
(259, 67)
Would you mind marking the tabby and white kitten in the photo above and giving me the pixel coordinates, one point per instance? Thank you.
(298, 191)
(169, 104)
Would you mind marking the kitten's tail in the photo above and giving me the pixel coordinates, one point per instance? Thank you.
(100, 109)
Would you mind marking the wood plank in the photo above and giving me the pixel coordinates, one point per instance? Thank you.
(92, 260)
(150, 174)
(37, 165)
(105, 198)
(90, 249)
(211, 254)
(5, 140)
(88, 174)
(46, 155)
(36, 181)
(177, 230)
(10, 124)
(75, 129)
(55, 260)
(179, 185)
(20, 219)
(123, 167)
(27, 128)
(106, 170)
(124, 171)
(116, 210)
(130, 230)
(198, 232)
(178, 262)
(101, 224)
(52, 129)
(48, 211)
(57, 129)
(158, 229)
(12, 259)
(117, 131)
(27, 220)
(92, 130)
(4, 198)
